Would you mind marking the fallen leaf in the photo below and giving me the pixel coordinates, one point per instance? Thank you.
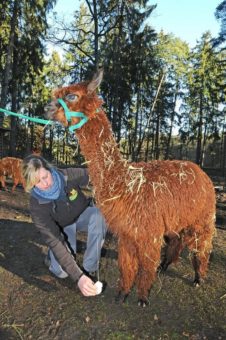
(87, 319)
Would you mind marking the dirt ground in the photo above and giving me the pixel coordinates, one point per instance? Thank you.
(36, 305)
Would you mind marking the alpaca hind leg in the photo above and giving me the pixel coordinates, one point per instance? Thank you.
(200, 245)
(171, 251)
(15, 183)
(2, 180)
(149, 260)
(128, 267)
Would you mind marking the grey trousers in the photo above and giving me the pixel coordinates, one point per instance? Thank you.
(92, 222)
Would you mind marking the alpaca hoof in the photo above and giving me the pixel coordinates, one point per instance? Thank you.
(162, 267)
(5, 189)
(196, 283)
(121, 298)
(143, 303)
(211, 258)
(160, 270)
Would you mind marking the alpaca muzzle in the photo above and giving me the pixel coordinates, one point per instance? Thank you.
(50, 109)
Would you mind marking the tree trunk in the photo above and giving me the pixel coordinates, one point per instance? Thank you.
(157, 133)
(13, 134)
(14, 120)
(9, 58)
(171, 124)
(199, 136)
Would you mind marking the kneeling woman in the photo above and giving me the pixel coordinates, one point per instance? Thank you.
(58, 209)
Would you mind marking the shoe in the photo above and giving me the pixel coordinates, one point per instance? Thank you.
(61, 274)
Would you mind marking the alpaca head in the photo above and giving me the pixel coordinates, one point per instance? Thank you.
(79, 98)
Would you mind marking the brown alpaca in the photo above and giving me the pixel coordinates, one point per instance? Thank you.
(146, 205)
(11, 166)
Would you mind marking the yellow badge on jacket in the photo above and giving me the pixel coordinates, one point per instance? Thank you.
(73, 195)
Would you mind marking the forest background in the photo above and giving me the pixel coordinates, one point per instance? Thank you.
(165, 100)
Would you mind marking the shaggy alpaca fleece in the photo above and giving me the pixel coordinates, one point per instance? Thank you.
(11, 166)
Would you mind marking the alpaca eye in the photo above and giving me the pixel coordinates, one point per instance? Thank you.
(71, 97)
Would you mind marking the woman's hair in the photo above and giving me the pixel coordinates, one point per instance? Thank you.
(30, 167)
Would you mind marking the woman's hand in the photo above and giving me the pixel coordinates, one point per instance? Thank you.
(86, 286)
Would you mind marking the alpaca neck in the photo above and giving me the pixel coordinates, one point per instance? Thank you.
(103, 157)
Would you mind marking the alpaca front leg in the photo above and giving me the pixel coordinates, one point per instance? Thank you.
(128, 267)
(149, 261)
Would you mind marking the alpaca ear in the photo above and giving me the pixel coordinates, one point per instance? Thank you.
(96, 81)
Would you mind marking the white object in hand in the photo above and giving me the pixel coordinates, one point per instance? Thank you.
(99, 286)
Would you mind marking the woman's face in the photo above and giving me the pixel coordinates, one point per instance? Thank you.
(44, 179)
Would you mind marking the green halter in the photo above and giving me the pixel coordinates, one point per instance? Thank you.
(69, 114)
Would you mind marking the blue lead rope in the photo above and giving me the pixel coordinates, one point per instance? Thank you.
(67, 112)
(36, 120)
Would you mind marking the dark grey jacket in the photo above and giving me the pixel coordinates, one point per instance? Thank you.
(50, 217)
